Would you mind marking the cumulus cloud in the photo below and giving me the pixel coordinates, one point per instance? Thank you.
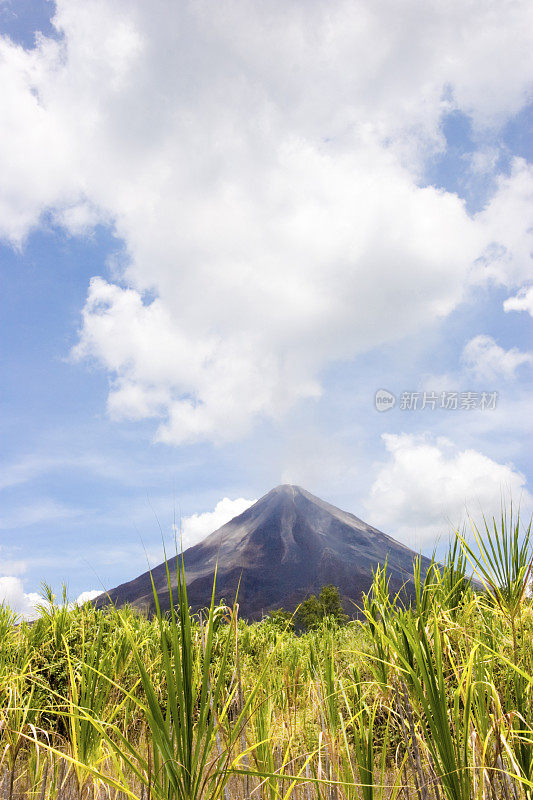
(13, 595)
(427, 486)
(262, 165)
(522, 301)
(198, 526)
(90, 594)
(486, 359)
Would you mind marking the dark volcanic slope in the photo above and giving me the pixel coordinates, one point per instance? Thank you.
(287, 545)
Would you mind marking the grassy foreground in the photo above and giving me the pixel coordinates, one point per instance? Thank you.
(433, 701)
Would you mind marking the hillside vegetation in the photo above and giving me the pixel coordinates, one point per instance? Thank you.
(430, 702)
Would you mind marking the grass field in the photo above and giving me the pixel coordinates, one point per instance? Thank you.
(433, 701)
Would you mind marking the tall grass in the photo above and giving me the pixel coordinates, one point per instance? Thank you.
(430, 700)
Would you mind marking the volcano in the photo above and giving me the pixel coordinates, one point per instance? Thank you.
(280, 550)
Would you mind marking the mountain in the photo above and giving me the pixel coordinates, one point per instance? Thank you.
(286, 546)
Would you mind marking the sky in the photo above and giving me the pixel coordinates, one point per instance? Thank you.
(228, 230)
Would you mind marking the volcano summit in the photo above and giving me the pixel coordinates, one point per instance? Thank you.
(287, 545)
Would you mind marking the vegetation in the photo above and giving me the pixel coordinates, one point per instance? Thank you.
(328, 605)
(432, 701)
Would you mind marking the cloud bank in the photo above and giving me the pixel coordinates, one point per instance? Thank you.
(428, 487)
(262, 165)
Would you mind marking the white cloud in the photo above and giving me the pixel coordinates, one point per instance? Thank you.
(487, 360)
(198, 526)
(90, 594)
(13, 595)
(522, 301)
(427, 486)
(261, 163)
(507, 222)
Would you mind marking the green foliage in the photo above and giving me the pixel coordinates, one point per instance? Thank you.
(280, 620)
(327, 606)
(427, 701)
(503, 562)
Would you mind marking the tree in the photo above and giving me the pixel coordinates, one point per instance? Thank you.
(328, 604)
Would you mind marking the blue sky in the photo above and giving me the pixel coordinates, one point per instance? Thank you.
(222, 231)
